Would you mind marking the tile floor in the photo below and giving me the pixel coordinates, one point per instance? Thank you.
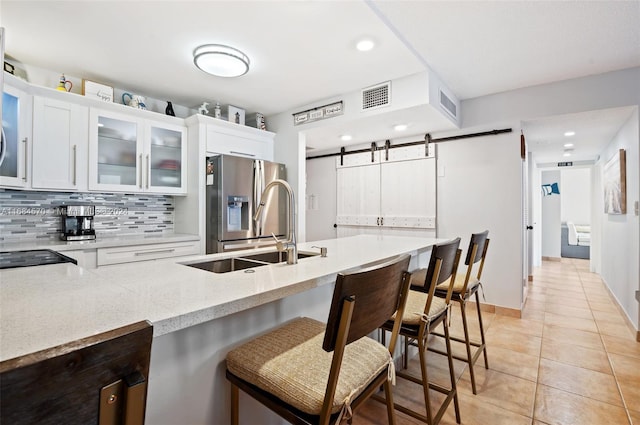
(570, 360)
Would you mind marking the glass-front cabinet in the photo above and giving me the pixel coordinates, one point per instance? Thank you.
(135, 155)
(15, 138)
(166, 158)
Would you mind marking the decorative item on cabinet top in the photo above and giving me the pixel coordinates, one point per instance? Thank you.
(97, 90)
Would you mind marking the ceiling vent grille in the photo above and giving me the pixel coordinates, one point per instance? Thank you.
(376, 96)
(448, 104)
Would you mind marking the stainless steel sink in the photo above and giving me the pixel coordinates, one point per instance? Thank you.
(246, 262)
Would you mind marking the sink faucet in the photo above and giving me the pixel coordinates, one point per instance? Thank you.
(288, 245)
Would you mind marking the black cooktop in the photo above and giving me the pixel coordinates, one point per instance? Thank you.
(35, 257)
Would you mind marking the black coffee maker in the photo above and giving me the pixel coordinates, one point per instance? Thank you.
(77, 222)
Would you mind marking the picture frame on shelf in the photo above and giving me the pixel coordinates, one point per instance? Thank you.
(235, 114)
(97, 90)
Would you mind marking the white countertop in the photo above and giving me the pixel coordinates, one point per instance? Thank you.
(99, 242)
(45, 306)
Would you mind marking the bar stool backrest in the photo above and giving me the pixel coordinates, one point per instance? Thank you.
(477, 252)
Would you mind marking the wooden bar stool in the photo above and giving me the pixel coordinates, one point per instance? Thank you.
(101, 379)
(423, 313)
(463, 289)
(311, 373)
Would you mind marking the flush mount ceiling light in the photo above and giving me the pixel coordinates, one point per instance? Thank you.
(570, 133)
(566, 154)
(365, 45)
(221, 60)
(345, 137)
(568, 145)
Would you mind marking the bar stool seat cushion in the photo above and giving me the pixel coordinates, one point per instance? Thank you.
(289, 363)
(418, 277)
(414, 308)
(459, 284)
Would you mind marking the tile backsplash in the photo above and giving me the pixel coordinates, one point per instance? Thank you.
(26, 215)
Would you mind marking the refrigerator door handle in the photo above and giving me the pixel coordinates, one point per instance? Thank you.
(258, 188)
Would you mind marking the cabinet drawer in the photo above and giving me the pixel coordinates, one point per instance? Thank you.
(129, 254)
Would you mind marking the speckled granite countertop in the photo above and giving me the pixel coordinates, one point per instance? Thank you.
(44, 306)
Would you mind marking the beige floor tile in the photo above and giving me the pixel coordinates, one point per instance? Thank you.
(524, 326)
(562, 294)
(373, 413)
(575, 355)
(635, 417)
(501, 390)
(557, 407)
(577, 380)
(533, 314)
(607, 316)
(599, 298)
(606, 306)
(619, 329)
(630, 393)
(570, 322)
(511, 362)
(577, 337)
(567, 288)
(564, 310)
(514, 341)
(617, 345)
(474, 411)
(569, 302)
(625, 367)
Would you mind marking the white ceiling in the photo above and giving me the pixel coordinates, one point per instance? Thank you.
(303, 51)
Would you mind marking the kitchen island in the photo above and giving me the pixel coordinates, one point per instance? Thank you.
(198, 316)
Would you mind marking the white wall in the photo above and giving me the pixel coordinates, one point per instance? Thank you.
(575, 196)
(481, 190)
(551, 207)
(620, 243)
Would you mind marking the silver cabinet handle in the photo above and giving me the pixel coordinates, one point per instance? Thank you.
(75, 164)
(159, 251)
(26, 159)
(148, 171)
(140, 171)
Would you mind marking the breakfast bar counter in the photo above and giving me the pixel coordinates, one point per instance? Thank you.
(197, 315)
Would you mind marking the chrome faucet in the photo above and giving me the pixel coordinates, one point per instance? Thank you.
(288, 245)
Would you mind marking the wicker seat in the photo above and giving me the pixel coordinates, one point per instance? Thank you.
(312, 373)
(465, 286)
(423, 313)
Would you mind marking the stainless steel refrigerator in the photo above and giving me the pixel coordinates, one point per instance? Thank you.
(233, 189)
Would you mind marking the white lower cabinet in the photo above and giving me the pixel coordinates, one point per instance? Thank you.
(130, 254)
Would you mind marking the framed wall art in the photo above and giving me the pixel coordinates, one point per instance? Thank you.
(97, 90)
(614, 179)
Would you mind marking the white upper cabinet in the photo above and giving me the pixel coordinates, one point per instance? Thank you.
(60, 139)
(16, 138)
(130, 154)
(233, 139)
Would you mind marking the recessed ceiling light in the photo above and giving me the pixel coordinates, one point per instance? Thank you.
(570, 133)
(568, 145)
(400, 127)
(345, 137)
(566, 154)
(365, 45)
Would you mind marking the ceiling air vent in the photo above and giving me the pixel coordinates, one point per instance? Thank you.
(448, 104)
(376, 96)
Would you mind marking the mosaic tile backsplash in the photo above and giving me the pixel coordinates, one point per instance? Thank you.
(26, 215)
